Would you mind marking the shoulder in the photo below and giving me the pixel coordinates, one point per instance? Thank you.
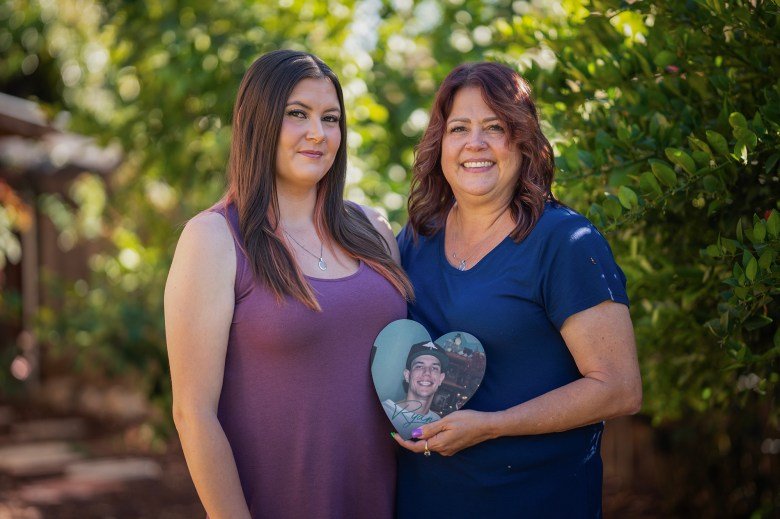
(206, 244)
(382, 225)
(558, 216)
(207, 231)
(406, 237)
(203, 270)
(418, 251)
(377, 219)
(562, 225)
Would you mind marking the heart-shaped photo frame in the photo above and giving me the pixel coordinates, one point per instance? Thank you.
(418, 380)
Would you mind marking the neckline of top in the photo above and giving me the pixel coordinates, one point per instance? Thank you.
(361, 267)
(449, 267)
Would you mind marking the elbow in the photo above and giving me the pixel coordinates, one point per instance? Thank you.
(188, 419)
(634, 404)
(632, 398)
(179, 417)
(181, 420)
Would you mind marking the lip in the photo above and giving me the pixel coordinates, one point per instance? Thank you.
(312, 154)
(477, 165)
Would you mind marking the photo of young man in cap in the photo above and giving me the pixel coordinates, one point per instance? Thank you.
(426, 366)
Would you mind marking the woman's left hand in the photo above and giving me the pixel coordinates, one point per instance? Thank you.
(451, 434)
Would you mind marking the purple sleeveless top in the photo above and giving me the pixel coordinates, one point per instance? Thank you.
(298, 405)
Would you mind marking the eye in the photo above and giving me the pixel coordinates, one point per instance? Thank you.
(495, 128)
(299, 114)
(331, 119)
(458, 129)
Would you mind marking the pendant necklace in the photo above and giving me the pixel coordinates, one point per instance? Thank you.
(462, 265)
(320, 262)
(462, 261)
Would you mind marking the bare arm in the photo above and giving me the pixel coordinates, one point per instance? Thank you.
(381, 224)
(199, 303)
(601, 340)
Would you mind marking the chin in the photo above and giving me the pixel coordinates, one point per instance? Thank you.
(477, 188)
(309, 178)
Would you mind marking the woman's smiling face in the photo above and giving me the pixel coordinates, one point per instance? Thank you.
(310, 135)
(477, 157)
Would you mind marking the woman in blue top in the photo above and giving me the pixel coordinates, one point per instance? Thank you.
(491, 252)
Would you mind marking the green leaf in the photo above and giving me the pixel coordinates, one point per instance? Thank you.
(623, 134)
(741, 152)
(759, 232)
(751, 269)
(758, 124)
(771, 162)
(730, 246)
(737, 120)
(649, 184)
(746, 136)
(711, 183)
(596, 214)
(765, 261)
(740, 236)
(701, 157)
(773, 224)
(664, 58)
(718, 142)
(682, 159)
(627, 197)
(714, 206)
(757, 321)
(612, 207)
(713, 251)
(664, 173)
(746, 257)
(700, 144)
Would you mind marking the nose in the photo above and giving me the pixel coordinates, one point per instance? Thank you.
(316, 132)
(476, 141)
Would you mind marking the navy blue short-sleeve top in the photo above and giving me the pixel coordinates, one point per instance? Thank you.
(515, 301)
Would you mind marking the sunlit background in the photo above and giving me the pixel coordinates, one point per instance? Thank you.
(114, 130)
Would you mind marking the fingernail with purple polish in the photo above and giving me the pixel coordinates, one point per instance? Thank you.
(417, 432)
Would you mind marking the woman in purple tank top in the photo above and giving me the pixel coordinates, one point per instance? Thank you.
(272, 304)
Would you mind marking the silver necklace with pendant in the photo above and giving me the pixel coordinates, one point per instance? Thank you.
(462, 265)
(461, 262)
(320, 262)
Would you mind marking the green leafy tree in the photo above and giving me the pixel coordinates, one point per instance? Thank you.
(665, 117)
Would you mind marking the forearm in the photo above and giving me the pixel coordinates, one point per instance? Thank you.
(582, 402)
(212, 467)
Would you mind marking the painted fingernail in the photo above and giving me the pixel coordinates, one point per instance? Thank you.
(392, 434)
(417, 432)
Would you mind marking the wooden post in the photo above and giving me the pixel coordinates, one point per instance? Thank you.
(30, 295)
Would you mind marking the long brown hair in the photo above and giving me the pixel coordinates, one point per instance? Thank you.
(257, 121)
(509, 96)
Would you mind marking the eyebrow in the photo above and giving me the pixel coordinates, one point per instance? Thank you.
(421, 363)
(467, 120)
(304, 105)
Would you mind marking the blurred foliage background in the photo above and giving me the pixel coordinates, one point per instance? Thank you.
(665, 117)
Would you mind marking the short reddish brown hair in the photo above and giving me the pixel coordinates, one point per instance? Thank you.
(509, 96)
